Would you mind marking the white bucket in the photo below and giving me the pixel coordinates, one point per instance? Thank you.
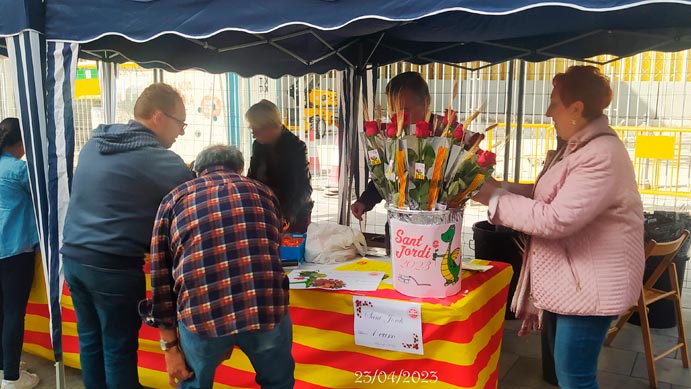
(426, 251)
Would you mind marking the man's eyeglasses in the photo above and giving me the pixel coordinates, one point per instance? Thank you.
(182, 124)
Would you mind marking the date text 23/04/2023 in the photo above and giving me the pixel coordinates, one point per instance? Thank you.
(396, 377)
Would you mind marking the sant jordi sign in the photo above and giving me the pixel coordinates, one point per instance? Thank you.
(388, 324)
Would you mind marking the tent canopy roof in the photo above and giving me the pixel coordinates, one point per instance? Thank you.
(303, 36)
(20, 15)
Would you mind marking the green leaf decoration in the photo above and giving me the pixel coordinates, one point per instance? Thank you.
(412, 155)
(428, 153)
(424, 195)
(454, 188)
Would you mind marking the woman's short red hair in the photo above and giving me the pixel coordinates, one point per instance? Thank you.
(587, 85)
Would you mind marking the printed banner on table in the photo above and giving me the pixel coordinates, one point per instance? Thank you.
(388, 324)
(333, 279)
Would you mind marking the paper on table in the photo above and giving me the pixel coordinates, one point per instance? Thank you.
(388, 324)
(335, 280)
(365, 264)
(475, 266)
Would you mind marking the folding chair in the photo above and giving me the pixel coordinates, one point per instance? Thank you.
(649, 295)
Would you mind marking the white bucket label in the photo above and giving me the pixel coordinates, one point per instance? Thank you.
(426, 259)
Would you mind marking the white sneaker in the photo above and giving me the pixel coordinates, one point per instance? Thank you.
(26, 380)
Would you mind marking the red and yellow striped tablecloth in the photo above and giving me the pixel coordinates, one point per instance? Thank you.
(462, 338)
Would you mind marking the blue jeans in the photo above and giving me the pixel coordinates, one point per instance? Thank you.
(577, 344)
(16, 276)
(105, 301)
(268, 351)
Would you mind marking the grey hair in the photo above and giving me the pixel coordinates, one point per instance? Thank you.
(228, 156)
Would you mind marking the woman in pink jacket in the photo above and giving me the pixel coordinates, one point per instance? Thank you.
(584, 261)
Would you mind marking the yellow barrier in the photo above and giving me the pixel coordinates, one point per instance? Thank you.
(657, 154)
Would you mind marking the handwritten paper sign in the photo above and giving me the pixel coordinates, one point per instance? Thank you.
(388, 324)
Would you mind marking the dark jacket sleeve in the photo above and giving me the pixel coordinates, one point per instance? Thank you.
(252, 171)
(169, 171)
(370, 196)
(298, 200)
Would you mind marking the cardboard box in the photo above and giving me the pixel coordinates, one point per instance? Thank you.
(289, 253)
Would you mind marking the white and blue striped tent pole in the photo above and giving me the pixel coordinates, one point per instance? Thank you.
(107, 79)
(356, 86)
(44, 91)
(61, 63)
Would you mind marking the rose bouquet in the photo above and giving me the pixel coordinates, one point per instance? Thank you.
(373, 140)
(423, 170)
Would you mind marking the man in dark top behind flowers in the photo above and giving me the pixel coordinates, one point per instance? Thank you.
(412, 91)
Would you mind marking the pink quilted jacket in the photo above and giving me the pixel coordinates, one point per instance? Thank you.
(586, 221)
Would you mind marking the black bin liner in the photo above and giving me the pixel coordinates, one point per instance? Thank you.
(498, 244)
(665, 226)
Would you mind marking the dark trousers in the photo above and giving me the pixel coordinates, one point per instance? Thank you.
(549, 332)
(16, 276)
(105, 302)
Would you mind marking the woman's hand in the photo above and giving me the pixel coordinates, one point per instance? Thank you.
(486, 191)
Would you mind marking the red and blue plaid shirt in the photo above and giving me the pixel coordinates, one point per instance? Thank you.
(215, 253)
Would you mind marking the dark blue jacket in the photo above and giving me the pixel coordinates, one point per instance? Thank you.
(122, 175)
(284, 167)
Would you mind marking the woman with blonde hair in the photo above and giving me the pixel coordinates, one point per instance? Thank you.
(583, 264)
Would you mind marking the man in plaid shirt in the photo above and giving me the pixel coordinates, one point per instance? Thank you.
(217, 278)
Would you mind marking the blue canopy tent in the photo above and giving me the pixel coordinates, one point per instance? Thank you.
(290, 37)
(302, 36)
(315, 36)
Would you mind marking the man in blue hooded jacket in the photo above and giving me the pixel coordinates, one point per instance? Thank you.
(123, 173)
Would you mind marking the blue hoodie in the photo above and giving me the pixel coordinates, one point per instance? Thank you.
(122, 175)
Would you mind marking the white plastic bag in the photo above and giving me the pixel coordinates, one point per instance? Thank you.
(331, 243)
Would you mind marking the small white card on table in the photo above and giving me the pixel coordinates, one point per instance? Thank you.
(388, 324)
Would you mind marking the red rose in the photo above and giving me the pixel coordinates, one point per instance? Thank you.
(422, 129)
(479, 151)
(391, 130)
(487, 159)
(476, 137)
(458, 133)
(371, 128)
(448, 119)
(394, 118)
